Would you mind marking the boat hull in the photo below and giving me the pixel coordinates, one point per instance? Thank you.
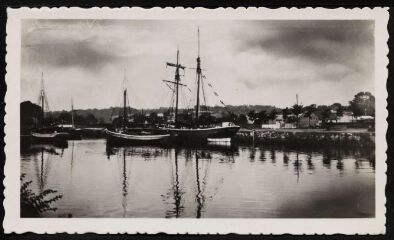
(202, 134)
(49, 138)
(74, 134)
(122, 138)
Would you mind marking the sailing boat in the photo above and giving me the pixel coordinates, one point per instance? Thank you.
(46, 134)
(134, 136)
(73, 132)
(198, 133)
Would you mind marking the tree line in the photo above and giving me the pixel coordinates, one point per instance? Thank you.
(363, 103)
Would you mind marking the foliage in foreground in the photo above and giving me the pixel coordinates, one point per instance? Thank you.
(32, 205)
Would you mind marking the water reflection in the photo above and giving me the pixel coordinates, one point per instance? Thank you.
(203, 181)
(200, 199)
(177, 192)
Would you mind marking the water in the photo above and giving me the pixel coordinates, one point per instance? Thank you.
(96, 180)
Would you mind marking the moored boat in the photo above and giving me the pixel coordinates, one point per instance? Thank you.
(197, 133)
(125, 135)
(47, 134)
(49, 137)
(121, 137)
(192, 134)
(72, 132)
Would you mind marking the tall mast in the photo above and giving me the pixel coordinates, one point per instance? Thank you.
(198, 70)
(72, 112)
(176, 82)
(124, 102)
(42, 95)
(177, 79)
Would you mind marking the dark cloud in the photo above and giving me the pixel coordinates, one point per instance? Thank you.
(320, 42)
(67, 54)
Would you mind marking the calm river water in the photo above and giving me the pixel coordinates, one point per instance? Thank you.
(96, 180)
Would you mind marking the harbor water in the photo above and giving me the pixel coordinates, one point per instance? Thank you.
(212, 181)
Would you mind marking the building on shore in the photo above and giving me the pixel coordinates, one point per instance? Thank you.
(311, 121)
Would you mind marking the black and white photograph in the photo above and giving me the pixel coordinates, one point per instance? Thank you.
(198, 118)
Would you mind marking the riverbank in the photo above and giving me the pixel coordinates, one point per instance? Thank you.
(311, 137)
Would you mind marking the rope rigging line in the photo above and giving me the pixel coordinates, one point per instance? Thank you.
(184, 99)
(217, 95)
(172, 101)
(203, 93)
(128, 106)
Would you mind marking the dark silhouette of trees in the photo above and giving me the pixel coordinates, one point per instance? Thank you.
(206, 119)
(30, 116)
(272, 115)
(297, 110)
(64, 117)
(153, 118)
(325, 115)
(338, 108)
(139, 118)
(242, 120)
(286, 112)
(309, 110)
(262, 117)
(252, 115)
(363, 103)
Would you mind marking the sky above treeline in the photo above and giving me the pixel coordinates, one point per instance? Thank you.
(247, 62)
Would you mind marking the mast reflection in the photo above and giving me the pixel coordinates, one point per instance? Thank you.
(199, 196)
(176, 191)
(297, 165)
(121, 153)
(42, 167)
(124, 185)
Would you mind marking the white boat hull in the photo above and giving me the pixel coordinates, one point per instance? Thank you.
(219, 140)
(45, 135)
(49, 138)
(136, 138)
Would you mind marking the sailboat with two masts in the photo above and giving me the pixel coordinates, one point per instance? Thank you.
(46, 133)
(126, 135)
(197, 133)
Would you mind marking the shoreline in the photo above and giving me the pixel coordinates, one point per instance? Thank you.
(308, 137)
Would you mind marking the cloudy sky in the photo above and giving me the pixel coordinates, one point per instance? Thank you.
(247, 62)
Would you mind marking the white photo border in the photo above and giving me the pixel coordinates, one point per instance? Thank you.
(14, 223)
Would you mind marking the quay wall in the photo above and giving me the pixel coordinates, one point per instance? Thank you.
(307, 138)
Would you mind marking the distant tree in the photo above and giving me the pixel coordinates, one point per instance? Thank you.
(338, 108)
(325, 115)
(139, 118)
(297, 110)
(101, 121)
(286, 112)
(309, 110)
(49, 119)
(206, 119)
(64, 117)
(30, 116)
(363, 103)
(252, 115)
(90, 119)
(153, 118)
(242, 120)
(186, 119)
(340, 111)
(261, 118)
(272, 115)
